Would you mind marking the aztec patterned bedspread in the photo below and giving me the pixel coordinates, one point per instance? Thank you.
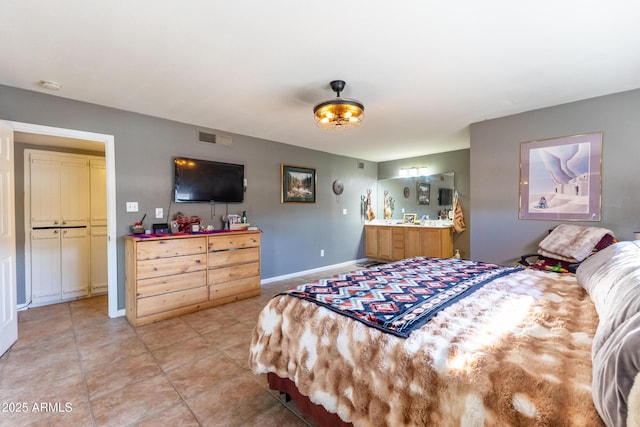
(516, 351)
(400, 297)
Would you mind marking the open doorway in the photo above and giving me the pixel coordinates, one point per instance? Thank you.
(60, 137)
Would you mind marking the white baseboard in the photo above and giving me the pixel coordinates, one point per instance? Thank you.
(313, 270)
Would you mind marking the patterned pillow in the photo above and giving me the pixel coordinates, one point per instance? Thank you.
(561, 266)
(547, 264)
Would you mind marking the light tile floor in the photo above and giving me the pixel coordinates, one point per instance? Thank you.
(74, 366)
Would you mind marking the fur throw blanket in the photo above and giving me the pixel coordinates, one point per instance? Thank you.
(516, 352)
(572, 243)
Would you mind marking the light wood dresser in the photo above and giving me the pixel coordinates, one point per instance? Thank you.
(170, 276)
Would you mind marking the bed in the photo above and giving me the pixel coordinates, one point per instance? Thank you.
(516, 347)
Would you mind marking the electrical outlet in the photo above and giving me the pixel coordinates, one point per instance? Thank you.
(132, 206)
(321, 252)
(344, 211)
(159, 213)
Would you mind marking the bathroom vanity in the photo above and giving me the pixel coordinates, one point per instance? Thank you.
(392, 241)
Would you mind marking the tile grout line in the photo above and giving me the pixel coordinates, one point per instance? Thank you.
(82, 367)
(164, 374)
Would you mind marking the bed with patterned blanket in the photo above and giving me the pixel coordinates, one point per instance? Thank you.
(507, 346)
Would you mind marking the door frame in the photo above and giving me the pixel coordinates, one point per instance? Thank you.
(109, 142)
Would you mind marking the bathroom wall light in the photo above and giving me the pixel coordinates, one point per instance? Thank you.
(414, 171)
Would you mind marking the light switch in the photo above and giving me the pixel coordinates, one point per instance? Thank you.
(159, 213)
(132, 206)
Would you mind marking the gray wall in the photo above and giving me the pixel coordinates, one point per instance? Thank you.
(293, 234)
(452, 161)
(497, 235)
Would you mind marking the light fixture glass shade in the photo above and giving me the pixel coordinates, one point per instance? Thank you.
(338, 113)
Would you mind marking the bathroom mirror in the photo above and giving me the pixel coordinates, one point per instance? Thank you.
(421, 195)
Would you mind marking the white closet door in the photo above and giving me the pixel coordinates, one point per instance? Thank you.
(45, 265)
(45, 192)
(74, 192)
(75, 262)
(98, 191)
(99, 270)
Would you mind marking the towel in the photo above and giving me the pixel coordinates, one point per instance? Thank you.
(572, 243)
(458, 217)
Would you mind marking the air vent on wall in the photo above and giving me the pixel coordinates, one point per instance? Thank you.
(207, 137)
(210, 138)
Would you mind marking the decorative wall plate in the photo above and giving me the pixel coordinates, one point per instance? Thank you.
(338, 187)
(407, 192)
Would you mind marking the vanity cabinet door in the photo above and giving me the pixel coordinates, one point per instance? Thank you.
(371, 241)
(436, 242)
(384, 242)
(378, 242)
(430, 242)
(413, 242)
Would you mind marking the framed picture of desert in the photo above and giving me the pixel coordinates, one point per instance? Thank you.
(423, 193)
(560, 178)
(298, 184)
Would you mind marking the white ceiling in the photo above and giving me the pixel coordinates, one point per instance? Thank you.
(424, 69)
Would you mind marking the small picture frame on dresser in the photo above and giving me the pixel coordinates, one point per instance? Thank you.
(409, 218)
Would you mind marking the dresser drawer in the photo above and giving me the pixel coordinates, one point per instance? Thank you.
(171, 301)
(171, 247)
(226, 274)
(169, 266)
(239, 256)
(233, 241)
(173, 283)
(232, 288)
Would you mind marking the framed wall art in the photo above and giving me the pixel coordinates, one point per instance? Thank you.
(560, 178)
(297, 184)
(423, 192)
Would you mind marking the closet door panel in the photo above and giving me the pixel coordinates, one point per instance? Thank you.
(98, 205)
(75, 262)
(99, 275)
(45, 265)
(74, 193)
(45, 192)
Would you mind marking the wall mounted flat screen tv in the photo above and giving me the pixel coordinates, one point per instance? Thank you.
(205, 181)
(445, 196)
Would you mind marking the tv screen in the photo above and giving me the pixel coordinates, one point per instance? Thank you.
(446, 196)
(207, 181)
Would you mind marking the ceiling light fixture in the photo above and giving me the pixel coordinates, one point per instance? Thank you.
(338, 113)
